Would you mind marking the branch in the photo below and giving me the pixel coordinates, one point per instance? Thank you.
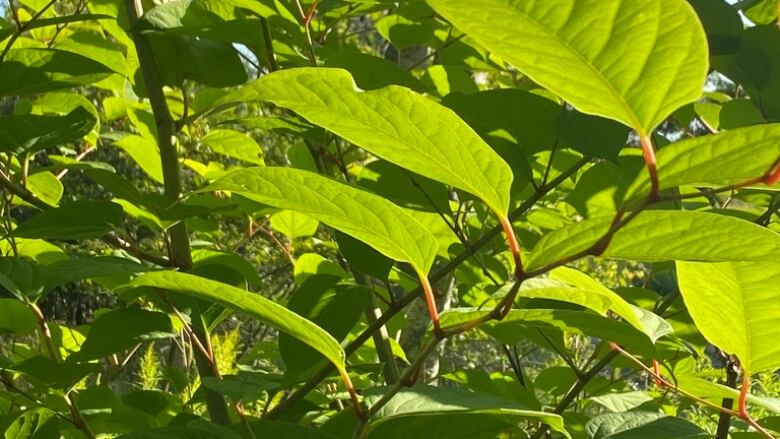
(404, 301)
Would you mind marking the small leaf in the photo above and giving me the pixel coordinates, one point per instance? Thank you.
(358, 213)
(293, 224)
(234, 144)
(662, 235)
(635, 61)
(252, 304)
(393, 123)
(734, 307)
(82, 219)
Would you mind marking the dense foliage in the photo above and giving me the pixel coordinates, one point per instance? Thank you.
(390, 219)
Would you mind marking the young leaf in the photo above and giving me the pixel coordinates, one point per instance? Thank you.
(234, 144)
(663, 235)
(715, 160)
(252, 304)
(394, 123)
(635, 61)
(734, 305)
(358, 213)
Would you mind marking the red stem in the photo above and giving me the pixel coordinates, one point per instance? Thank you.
(430, 300)
(773, 176)
(649, 154)
(352, 393)
(514, 247)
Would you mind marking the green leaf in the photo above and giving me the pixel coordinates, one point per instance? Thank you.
(722, 23)
(252, 304)
(371, 72)
(427, 411)
(756, 67)
(733, 305)
(86, 267)
(234, 144)
(183, 57)
(642, 425)
(82, 219)
(570, 321)
(143, 151)
(16, 318)
(334, 308)
(293, 224)
(45, 186)
(716, 392)
(358, 213)
(622, 402)
(587, 292)
(629, 60)
(37, 423)
(28, 71)
(121, 329)
(277, 429)
(394, 123)
(662, 235)
(52, 373)
(715, 160)
(29, 133)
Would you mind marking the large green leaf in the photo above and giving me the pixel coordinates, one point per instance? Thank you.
(30, 133)
(250, 303)
(662, 235)
(27, 71)
(82, 219)
(427, 411)
(715, 160)
(635, 61)
(734, 305)
(358, 213)
(394, 123)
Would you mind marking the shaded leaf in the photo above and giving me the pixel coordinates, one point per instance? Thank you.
(82, 219)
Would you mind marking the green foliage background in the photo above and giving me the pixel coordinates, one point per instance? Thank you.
(381, 219)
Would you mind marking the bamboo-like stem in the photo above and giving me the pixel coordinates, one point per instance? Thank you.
(179, 241)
